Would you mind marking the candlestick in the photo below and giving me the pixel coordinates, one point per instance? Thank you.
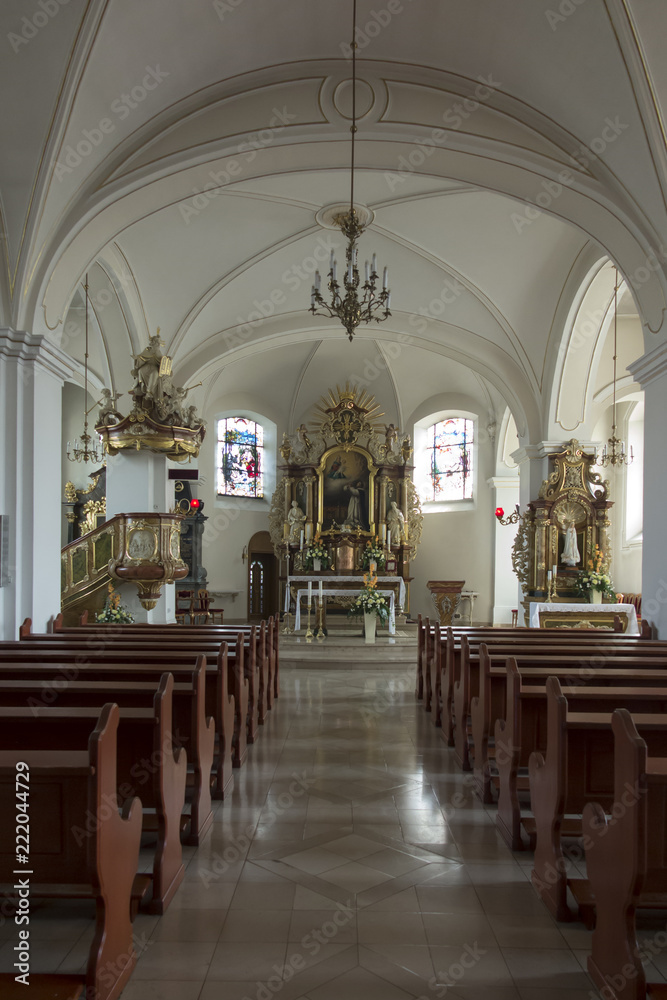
(301, 540)
(309, 634)
(321, 593)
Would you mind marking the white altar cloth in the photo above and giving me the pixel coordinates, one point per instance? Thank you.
(328, 578)
(353, 592)
(586, 610)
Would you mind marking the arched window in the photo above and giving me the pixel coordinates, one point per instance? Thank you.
(240, 458)
(447, 460)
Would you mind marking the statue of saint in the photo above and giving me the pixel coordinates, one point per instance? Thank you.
(295, 519)
(570, 555)
(303, 437)
(354, 511)
(390, 436)
(147, 370)
(395, 524)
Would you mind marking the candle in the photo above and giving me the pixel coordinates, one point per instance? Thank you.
(350, 274)
(321, 593)
(374, 263)
(385, 277)
(555, 570)
(287, 598)
(310, 591)
(549, 576)
(301, 540)
(333, 271)
(367, 270)
(332, 261)
(383, 532)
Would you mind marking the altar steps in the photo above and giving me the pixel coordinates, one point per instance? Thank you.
(346, 649)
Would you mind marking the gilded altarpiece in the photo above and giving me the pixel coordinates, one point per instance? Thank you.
(561, 530)
(346, 477)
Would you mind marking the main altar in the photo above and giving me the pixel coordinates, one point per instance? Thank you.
(345, 482)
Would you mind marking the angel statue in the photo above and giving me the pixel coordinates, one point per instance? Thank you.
(303, 437)
(108, 414)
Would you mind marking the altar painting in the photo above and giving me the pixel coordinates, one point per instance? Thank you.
(345, 490)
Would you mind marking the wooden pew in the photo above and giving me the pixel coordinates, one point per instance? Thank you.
(185, 632)
(524, 731)
(192, 729)
(241, 658)
(227, 694)
(577, 767)
(66, 666)
(626, 862)
(147, 764)
(66, 789)
(482, 698)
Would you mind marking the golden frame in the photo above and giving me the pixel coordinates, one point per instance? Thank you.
(372, 470)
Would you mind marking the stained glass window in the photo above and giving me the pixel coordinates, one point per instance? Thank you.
(240, 458)
(449, 451)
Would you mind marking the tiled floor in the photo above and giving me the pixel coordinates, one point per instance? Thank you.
(352, 862)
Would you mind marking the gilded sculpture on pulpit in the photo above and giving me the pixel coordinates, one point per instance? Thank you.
(159, 420)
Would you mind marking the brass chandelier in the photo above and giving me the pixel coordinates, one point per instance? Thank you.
(613, 452)
(353, 303)
(82, 452)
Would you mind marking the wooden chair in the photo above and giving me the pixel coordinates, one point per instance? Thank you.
(185, 600)
(206, 609)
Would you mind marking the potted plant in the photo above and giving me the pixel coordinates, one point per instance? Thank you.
(317, 557)
(113, 613)
(371, 605)
(373, 556)
(594, 583)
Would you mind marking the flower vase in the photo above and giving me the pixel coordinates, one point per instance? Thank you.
(596, 597)
(369, 626)
(317, 565)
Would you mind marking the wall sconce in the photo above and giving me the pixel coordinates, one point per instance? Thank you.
(244, 554)
(510, 519)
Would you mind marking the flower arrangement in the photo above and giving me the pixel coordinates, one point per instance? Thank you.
(595, 577)
(369, 602)
(373, 553)
(112, 611)
(316, 550)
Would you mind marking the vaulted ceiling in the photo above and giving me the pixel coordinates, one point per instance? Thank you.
(182, 154)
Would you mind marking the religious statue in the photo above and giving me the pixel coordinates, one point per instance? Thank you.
(570, 556)
(286, 448)
(296, 519)
(108, 414)
(395, 524)
(303, 437)
(406, 448)
(390, 436)
(354, 511)
(147, 369)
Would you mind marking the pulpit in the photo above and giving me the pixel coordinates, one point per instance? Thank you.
(445, 595)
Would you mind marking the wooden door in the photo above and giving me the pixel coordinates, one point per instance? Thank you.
(262, 577)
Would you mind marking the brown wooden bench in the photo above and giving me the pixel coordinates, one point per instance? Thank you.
(185, 633)
(191, 727)
(67, 789)
(148, 765)
(242, 656)
(482, 700)
(577, 767)
(626, 863)
(524, 731)
(227, 694)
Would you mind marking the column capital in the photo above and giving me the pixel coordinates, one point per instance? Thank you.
(504, 482)
(544, 448)
(20, 345)
(651, 366)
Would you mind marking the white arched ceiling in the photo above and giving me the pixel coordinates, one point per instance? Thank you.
(192, 151)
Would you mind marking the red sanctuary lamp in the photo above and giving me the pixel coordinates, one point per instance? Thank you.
(510, 519)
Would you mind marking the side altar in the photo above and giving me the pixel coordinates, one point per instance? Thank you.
(346, 482)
